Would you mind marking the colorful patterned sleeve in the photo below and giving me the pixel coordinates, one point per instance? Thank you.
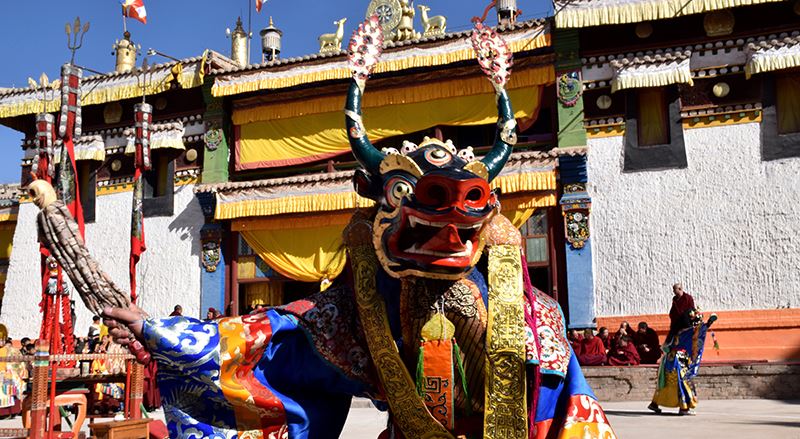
(249, 376)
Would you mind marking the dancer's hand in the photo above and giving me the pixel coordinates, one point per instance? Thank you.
(125, 327)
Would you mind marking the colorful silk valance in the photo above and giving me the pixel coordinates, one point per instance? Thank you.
(293, 133)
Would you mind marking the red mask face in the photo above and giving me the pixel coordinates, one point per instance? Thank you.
(430, 225)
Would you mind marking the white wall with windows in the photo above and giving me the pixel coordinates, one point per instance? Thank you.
(727, 226)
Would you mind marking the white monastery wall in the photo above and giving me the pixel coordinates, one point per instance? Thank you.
(727, 227)
(168, 272)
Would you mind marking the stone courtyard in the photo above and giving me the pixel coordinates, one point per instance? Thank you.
(740, 419)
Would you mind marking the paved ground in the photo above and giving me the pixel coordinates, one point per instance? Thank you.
(740, 419)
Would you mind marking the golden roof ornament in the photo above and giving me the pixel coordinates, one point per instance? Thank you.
(270, 42)
(436, 25)
(507, 11)
(390, 15)
(405, 29)
(332, 43)
(239, 49)
(126, 52)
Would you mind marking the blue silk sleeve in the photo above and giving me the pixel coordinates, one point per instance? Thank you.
(224, 378)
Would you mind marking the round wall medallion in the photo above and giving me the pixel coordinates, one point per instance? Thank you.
(112, 112)
(644, 30)
(116, 165)
(604, 102)
(191, 155)
(719, 23)
(721, 89)
(160, 103)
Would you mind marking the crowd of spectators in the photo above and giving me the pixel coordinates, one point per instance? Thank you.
(625, 347)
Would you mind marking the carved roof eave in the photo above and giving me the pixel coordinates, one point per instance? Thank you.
(544, 159)
(29, 98)
(708, 59)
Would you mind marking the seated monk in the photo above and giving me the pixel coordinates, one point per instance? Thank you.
(593, 352)
(647, 344)
(574, 341)
(605, 337)
(624, 354)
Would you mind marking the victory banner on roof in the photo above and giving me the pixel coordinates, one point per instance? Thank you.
(135, 9)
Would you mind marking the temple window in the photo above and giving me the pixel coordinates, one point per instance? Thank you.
(160, 184)
(87, 183)
(653, 116)
(787, 102)
(653, 129)
(780, 121)
(534, 232)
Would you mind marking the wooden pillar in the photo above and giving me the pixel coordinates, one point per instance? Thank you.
(38, 394)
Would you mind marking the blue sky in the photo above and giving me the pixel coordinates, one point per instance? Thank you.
(33, 39)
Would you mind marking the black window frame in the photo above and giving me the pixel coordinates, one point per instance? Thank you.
(163, 205)
(87, 192)
(654, 157)
(774, 145)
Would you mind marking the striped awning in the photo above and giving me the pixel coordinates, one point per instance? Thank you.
(651, 70)
(586, 13)
(529, 173)
(774, 54)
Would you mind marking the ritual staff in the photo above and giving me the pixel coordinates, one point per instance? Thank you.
(647, 344)
(624, 354)
(593, 353)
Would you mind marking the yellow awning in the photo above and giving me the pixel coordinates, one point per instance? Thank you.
(585, 13)
(456, 50)
(104, 88)
(295, 133)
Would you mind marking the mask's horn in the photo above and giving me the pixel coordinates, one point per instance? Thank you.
(506, 136)
(365, 49)
(363, 150)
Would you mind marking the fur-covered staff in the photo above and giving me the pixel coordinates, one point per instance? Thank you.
(59, 232)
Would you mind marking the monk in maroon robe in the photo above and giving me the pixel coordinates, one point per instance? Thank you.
(681, 312)
(647, 344)
(624, 354)
(575, 341)
(593, 352)
(603, 335)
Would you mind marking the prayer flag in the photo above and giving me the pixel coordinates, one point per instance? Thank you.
(135, 9)
(143, 117)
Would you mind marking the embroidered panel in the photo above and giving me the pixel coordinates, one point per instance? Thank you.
(555, 350)
(330, 318)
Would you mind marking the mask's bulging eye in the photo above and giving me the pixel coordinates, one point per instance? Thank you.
(396, 189)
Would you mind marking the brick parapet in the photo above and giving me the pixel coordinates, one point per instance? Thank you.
(723, 381)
